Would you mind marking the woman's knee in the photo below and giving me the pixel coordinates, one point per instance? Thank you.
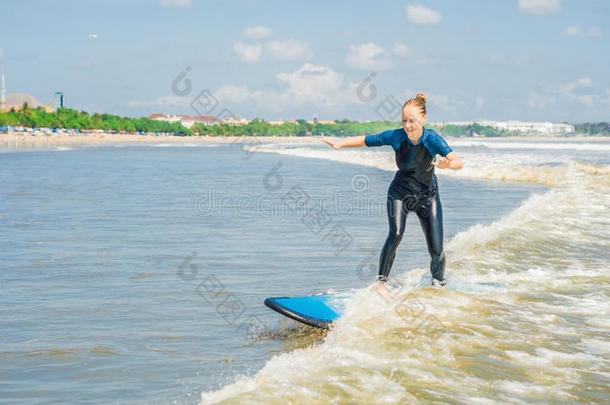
(394, 238)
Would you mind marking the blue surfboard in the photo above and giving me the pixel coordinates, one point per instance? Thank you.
(319, 311)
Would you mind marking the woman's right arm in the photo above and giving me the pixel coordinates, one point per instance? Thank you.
(389, 137)
(353, 142)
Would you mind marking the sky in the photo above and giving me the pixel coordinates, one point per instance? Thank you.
(530, 60)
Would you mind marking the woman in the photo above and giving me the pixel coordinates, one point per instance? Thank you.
(414, 187)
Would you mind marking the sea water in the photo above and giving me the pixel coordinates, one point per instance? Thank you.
(137, 275)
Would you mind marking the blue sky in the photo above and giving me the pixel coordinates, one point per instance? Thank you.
(507, 59)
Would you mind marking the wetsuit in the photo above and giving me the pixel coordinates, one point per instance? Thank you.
(414, 188)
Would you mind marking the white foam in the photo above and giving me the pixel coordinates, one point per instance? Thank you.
(542, 168)
(543, 393)
(581, 146)
(181, 145)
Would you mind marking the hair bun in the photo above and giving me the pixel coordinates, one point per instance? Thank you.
(421, 96)
(418, 101)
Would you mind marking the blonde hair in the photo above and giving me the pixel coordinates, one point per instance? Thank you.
(418, 101)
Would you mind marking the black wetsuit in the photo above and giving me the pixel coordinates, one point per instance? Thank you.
(414, 188)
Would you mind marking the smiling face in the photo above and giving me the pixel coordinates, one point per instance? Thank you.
(413, 120)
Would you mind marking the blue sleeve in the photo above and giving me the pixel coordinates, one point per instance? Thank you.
(383, 138)
(440, 146)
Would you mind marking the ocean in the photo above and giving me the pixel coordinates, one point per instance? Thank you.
(137, 274)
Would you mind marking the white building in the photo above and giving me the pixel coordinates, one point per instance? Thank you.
(235, 121)
(538, 128)
(187, 121)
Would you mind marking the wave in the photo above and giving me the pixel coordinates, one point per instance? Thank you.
(536, 338)
(526, 168)
(182, 145)
(491, 144)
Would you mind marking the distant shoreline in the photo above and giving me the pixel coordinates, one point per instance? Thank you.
(14, 140)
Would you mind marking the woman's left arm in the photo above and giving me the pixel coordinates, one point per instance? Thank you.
(451, 161)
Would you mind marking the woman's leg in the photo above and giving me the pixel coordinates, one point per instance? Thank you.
(431, 219)
(397, 216)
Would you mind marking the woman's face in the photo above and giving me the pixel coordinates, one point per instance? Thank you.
(412, 120)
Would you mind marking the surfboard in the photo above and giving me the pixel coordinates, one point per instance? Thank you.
(319, 311)
(322, 310)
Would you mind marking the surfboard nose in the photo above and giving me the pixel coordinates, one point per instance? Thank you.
(311, 310)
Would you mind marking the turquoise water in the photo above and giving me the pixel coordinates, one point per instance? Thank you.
(122, 283)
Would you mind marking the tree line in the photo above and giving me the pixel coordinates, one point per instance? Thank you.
(72, 119)
(259, 127)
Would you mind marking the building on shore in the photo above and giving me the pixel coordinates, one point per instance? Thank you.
(277, 122)
(16, 101)
(535, 128)
(230, 120)
(318, 121)
(187, 121)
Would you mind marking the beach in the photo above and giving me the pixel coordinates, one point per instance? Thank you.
(41, 140)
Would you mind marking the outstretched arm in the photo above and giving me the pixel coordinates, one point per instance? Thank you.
(451, 161)
(353, 142)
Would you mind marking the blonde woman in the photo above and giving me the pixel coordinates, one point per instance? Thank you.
(415, 186)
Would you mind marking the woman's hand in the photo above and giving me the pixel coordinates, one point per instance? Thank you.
(452, 161)
(442, 163)
(331, 143)
(353, 142)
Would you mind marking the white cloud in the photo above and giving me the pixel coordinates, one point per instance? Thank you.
(418, 14)
(233, 94)
(442, 101)
(176, 3)
(163, 102)
(448, 104)
(451, 105)
(312, 85)
(539, 6)
(541, 101)
(247, 53)
(368, 56)
(289, 50)
(312, 82)
(401, 50)
(579, 91)
(575, 31)
(257, 32)
(569, 88)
